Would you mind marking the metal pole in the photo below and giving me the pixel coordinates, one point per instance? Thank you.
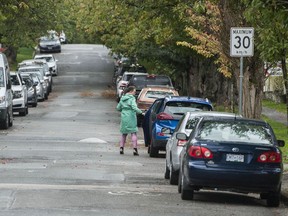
(240, 85)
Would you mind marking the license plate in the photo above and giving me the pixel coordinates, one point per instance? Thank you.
(235, 158)
(49, 47)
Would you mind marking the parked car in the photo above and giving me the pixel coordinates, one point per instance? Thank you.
(234, 154)
(41, 63)
(20, 94)
(31, 89)
(6, 96)
(51, 61)
(174, 146)
(162, 117)
(149, 79)
(38, 71)
(37, 82)
(123, 82)
(49, 44)
(148, 95)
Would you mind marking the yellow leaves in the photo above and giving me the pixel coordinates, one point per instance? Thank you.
(23, 5)
(204, 30)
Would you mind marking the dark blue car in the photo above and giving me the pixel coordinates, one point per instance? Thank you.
(163, 116)
(234, 154)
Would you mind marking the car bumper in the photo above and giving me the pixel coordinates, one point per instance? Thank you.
(50, 49)
(242, 180)
(18, 104)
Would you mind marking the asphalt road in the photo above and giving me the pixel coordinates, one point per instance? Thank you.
(62, 158)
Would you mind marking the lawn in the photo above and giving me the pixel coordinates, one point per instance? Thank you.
(23, 54)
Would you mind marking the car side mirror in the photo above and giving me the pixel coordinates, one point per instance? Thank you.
(181, 136)
(281, 143)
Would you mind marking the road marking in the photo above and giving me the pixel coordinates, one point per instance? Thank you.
(93, 140)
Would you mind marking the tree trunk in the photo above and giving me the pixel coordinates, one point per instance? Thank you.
(253, 83)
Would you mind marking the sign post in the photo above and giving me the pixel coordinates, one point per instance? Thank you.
(241, 45)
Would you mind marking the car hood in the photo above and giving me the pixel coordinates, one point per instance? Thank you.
(16, 88)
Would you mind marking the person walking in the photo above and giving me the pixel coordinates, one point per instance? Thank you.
(128, 108)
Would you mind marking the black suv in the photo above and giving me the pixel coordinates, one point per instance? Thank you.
(141, 81)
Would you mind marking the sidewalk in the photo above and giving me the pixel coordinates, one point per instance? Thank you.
(280, 117)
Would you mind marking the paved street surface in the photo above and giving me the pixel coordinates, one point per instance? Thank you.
(63, 157)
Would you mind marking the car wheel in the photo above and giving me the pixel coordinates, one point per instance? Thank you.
(23, 113)
(179, 182)
(186, 192)
(273, 198)
(167, 172)
(5, 123)
(34, 104)
(174, 175)
(153, 151)
(10, 121)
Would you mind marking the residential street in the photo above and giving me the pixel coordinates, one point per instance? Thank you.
(63, 157)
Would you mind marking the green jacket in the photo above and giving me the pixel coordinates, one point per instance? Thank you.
(128, 108)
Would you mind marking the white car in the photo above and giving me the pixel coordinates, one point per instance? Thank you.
(174, 145)
(51, 61)
(20, 94)
(122, 82)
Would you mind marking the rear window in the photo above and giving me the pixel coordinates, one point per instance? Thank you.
(151, 80)
(243, 132)
(178, 108)
(158, 94)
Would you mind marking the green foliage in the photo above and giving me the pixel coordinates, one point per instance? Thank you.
(281, 133)
(280, 107)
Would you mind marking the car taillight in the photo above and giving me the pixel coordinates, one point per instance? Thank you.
(200, 152)
(181, 142)
(269, 157)
(164, 116)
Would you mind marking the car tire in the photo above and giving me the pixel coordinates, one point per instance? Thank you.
(179, 182)
(34, 104)
(174, 176)
(167, 171)
(186, 192)
(10, 121)
(5, 123)
(273, 198)
(46, 96)
(153, 151)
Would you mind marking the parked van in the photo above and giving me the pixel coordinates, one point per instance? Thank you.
(6, 96)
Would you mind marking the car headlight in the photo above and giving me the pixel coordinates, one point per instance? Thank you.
(17, 94)
(2, 100)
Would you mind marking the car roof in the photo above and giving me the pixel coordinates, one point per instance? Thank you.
(43, 55)
(233, 118)
(134, 73)
(186, 98)
(212, 113)
(158, 88)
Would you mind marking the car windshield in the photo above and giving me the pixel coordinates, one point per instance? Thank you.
(38, 71)
(233, 131)
(127, 77)
(47, 58)
(2, 79)
(181, 107)
(28, 81)
(158, 94)
(139, 81)
(14, 80)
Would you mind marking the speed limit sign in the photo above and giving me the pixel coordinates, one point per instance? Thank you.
(241, 42)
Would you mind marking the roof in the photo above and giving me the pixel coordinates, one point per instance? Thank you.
(188, 99)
